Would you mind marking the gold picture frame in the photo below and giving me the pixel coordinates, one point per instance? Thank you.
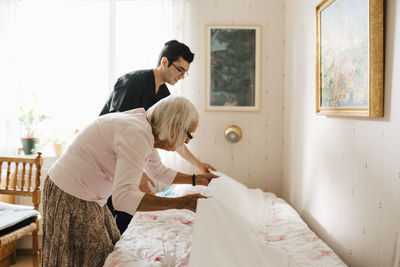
(233, 67)
(350, 58)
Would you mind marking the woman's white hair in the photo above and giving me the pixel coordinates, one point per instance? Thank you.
(171, 118)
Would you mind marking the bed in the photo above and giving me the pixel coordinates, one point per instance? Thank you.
(236, 226)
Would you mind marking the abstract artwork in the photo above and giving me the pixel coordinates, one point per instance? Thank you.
(233, 68)
(349, 65)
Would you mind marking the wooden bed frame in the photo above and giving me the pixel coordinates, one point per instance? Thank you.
(20, 176)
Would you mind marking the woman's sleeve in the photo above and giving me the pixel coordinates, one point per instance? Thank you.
(156, 170)
(131, 153)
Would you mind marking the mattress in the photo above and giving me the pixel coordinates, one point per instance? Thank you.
(166, 238)
(15, 216)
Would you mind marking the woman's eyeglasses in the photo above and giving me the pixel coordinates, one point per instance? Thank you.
(189, 135)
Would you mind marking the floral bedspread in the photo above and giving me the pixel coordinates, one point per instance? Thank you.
(285, 229)
(151, 235)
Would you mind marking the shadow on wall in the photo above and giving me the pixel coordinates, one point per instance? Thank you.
(391, 34)
(323, 234)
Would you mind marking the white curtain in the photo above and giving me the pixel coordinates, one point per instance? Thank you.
(177, 18)
(176, 13)
(52, 49)
(8, 82)
(58, 59)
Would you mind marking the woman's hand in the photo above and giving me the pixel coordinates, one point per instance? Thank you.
(205, 178)
(151, 202)
(190, 201)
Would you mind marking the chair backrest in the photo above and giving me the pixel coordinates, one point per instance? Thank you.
(21, 176)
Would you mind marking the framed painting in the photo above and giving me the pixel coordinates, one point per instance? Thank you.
(350, 58)
(233, 67)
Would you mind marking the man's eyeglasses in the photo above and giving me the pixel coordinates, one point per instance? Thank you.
(181, 70)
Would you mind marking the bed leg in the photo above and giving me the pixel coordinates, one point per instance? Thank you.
(14, 257)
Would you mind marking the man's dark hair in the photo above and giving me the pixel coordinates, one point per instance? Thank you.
(173, 50)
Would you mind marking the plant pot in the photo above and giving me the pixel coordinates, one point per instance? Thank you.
(58, 149)
(29, 144)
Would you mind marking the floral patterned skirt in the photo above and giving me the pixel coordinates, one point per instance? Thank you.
(75, 232)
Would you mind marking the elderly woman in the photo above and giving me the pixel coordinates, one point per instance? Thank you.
(108, 158)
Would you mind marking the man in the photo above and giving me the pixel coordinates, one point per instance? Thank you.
(143, 88)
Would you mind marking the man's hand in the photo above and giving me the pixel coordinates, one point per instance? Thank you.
(205, 178)
(186, 154)
(144, 184)
(205, 167)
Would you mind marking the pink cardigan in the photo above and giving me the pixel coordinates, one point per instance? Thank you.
(108, 157)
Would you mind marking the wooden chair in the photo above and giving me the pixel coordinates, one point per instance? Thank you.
(20, 176)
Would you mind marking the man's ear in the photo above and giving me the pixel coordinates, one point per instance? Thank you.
(164, 62)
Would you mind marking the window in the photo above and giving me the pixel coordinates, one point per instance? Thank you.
(140, 35)
(70, 53)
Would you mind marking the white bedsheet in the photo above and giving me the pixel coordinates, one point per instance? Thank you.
(11, 214)
(222, 237)
(233, 210)
(249, 203)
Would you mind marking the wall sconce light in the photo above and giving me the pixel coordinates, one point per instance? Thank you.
(233, 134)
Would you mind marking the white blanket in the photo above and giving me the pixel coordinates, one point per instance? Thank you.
(224, 230)
(11, 214)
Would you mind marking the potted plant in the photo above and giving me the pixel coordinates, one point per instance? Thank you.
(58, 145)
(29, 120)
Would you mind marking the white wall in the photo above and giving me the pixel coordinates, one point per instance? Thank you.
(341, 174)
(257, 159)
